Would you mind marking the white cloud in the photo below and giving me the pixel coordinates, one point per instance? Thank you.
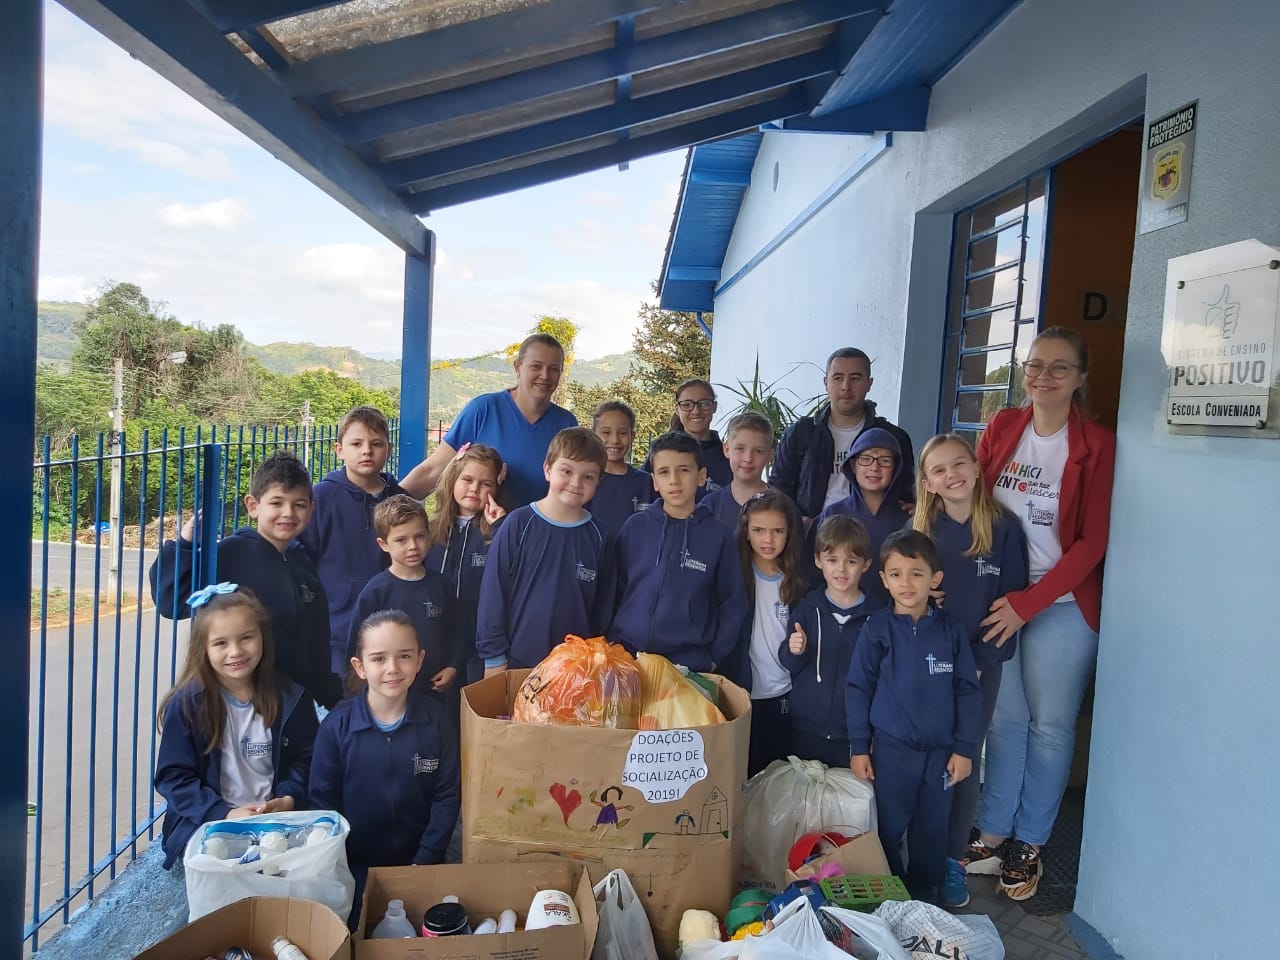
(377, 274)
(87, 169)
(64, 288)
(218, 214)
(207, 164)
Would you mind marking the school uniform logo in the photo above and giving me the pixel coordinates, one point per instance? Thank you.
(434, 610)
(477, 559)
(937, 666)
(585, 573)
(254, 749)
(782, 612)
(307, 594)
(425, 764)
(636, 505)
(689, 563)
(986, 569)
(1039, 516)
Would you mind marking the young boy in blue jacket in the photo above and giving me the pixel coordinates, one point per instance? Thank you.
(422, 594)
(914, 710)
(825, 629)
(874, 467)
(550, 570)
(341, 537)
(273, 565)
(679, 579)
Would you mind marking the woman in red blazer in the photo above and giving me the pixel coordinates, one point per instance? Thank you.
(1052, 466)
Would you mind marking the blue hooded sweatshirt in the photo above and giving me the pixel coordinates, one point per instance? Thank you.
(680, 588)
(461, 560)
(427, 603)
(972, 583)
(619, 496)
(189, 774)
(285, 583)
(819, 674)
(880, 524)
(400, 789)
(345, 549)
(914, 682)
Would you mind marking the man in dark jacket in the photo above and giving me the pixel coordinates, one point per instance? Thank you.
(806, 466)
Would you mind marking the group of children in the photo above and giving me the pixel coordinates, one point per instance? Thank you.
(859, 638)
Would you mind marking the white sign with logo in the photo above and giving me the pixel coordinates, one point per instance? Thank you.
(1220, 343)
(664, 764)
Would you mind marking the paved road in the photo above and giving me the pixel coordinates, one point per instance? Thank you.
(86, 557)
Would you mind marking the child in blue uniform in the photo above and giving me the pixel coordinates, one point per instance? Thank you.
(748, 446)
(422, 594)
(679, 583)
(914, 708)
(825, 626)
(549, 571)
(387, 759)
(236, 736)
(874, 468)
(270, 562)
(341, 538)
(466, 519)
(623, 489)
(983, 551)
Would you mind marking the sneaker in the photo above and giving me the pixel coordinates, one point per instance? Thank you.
(1020, 871)
(955, 890)
(983, 860)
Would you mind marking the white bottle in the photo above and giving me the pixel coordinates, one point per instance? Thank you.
(284, 950)
(488, 926)
(394, 925)
(507, 921)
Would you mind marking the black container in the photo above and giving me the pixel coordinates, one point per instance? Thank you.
(446, 920)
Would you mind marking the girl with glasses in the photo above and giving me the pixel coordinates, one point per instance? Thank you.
(695, 407)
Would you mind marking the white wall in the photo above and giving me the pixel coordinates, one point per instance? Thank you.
(1181, 847)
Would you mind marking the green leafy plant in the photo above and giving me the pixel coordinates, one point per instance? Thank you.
(767, 399)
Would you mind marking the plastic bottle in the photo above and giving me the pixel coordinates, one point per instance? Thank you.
(489, 925)
(507, 921)
(284, 950)
(394, 925)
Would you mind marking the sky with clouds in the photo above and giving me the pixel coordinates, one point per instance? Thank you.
(143, 184)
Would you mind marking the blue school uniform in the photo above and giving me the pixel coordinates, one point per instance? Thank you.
(724, 507)
(680, 591)
(912, 700)
(286, 584)
(818, 675)
(618, 496)
(719, 473)
(889, 518)
(461, 560)
(399, 788)
(430, 609)
(344, 547)
(495, 420)
(542, 580)
(189, 774)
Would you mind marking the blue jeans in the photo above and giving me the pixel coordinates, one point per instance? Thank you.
(1033, 731)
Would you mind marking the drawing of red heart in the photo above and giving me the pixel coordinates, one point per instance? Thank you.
(567, 800)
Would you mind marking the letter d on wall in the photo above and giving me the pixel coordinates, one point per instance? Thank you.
(1095, 306)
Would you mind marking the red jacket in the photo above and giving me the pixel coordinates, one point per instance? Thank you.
(1084, 508)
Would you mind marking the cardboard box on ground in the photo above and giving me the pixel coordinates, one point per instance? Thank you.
(485, 890)
(252, 924)
(861, 856)
(659, 804)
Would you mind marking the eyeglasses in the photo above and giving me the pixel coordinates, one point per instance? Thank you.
(1058, 371)
(688, 405)
(866, 460)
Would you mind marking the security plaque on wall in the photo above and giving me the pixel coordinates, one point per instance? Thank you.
(1222, 325)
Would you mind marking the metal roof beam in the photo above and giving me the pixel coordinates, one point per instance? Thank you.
(906, 108)
(711, 128)
(611, 119)
(184, 48)
(232, 16)
(692, 274)
(720, 178)
(503, 35)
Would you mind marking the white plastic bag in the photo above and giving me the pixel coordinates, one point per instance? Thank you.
(301, 854)
(927, 932)
(796, 935)
(872, 929)
(624, 932)
(788, 799)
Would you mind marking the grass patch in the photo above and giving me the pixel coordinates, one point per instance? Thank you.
(58, 610)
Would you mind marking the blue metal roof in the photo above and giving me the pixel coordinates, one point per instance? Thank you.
(893, 61)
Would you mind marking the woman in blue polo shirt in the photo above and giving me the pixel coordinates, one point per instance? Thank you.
(519, 422)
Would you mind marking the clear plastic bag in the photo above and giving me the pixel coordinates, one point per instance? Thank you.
(582, 683)
(300, 854)
(926, 931)
(624, 932)
(788, 799)
(669, 699)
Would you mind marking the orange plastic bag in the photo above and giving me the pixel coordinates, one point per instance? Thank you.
(669, 699)
(582, 683)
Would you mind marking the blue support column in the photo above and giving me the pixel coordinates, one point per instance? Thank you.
(20, 69)
(210, 523)
(415, 356)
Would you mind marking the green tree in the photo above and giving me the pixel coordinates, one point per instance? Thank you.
(670, 348)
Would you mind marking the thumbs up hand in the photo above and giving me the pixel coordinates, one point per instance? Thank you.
(797, 642)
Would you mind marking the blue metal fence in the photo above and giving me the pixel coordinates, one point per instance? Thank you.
(103, 657)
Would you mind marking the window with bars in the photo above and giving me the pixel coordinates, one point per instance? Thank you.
(997, 264)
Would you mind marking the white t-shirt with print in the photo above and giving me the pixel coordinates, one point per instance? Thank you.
(769, 678)
(246, 754)
(1030, 486)
(838, 483)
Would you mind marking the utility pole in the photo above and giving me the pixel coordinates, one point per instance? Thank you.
(307, 422)
(117, 431)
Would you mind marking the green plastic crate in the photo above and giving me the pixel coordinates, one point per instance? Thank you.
(863, 893)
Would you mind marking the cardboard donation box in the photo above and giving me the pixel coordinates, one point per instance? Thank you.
(861, 856)
(659, 804)
(484, 890)
(252, 924)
